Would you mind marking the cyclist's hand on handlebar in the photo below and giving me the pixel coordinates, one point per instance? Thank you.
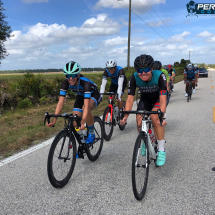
(82, 126)
(164, 123)
(123, 121)
(51, 124)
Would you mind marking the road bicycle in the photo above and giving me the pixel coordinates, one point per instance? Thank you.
(63, 151)
(189, 91)
(111, 116)
(138, 96)
(145, 150)
(170, 87)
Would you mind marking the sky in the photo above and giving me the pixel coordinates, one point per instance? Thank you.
(50, 33)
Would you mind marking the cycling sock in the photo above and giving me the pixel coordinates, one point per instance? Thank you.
(161, 145)
(91, 129)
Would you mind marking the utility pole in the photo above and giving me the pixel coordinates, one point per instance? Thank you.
(129, 34)
(189, 54)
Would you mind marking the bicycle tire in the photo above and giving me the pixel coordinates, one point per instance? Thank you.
(139, 188)
(122, 127)
(56, 179)
(138, 97)
(189, 92)
(106, 124)
(94, 150)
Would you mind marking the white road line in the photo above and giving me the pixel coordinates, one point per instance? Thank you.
(25, 152)
(32, 149)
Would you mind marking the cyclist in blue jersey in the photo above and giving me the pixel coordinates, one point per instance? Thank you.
(197, 69)
(87, 98)
(118, 80)
(152, 84)
(190, 74)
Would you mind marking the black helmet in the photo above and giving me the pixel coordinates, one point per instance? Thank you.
(166, 67)
(143, 61)
(157, 65)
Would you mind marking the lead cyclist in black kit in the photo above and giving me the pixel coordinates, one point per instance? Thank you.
(152, 84)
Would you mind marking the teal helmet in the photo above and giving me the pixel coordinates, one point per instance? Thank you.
(72, 68)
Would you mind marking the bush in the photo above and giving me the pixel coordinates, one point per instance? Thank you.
(25, 103)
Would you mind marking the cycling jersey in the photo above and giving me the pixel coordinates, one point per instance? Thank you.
(85, 87)
(190, 73)
(165, 72)
(150, 90)
(115, 76)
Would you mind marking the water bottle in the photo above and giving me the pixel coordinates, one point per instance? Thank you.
(85, 134)
(80, 132)
(152, 137)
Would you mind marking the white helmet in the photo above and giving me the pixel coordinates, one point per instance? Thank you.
(195, 65)
(111, 63)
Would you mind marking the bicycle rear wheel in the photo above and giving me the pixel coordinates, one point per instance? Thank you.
(59, 167)
(140, 167)
(93, 150)
(108, 123)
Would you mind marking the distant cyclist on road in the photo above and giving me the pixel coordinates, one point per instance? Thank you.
(152, 85)
(118, 80)
(87, 98)
(190, 74)
(171, 72)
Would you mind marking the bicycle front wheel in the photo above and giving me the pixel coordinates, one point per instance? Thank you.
(108, 124)
(93, 150)
(140, 167)
(61, 159)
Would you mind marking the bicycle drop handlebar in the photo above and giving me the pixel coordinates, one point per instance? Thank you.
(144, 112)
(65, 115)
(110, 94)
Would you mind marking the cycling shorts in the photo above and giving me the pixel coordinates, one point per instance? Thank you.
(189, 79)
(114, 87)
(79, 102)
(148, 105)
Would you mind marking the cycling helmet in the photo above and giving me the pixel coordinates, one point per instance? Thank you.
(189, 66)
(72, 68)
(170, 66)
(111, 63)
(166, 67)
(195, 65)
(157, 65)
(143, 61)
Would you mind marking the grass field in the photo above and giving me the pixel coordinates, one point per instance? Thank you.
(23, 128)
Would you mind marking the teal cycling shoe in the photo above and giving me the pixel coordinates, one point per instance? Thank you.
(90, 138)
(143, 150)
(161, 158)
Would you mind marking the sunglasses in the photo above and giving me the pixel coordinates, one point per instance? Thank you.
(73, 76)
(144, 70)
(111, 68)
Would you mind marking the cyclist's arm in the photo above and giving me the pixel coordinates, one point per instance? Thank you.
(120, 85)
(104, 82)
(185, 75)
(129, 104)
(162, 92)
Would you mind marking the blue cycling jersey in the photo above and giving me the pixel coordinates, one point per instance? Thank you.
(85, 87)
(190, 73)
(115, 76)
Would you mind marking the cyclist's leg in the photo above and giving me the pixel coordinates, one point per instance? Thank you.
(159, 133)
(77, 109)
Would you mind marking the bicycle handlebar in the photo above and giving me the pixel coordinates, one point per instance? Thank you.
(110, 94)
(144, 112)
(65, 115)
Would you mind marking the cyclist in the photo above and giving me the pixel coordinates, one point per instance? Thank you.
(190, 74)
(197, 69)
(118, 80)
(157, 65)
(153, 96)
(171, 72)
(87, 98)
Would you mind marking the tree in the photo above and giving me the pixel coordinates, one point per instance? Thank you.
(5, 31)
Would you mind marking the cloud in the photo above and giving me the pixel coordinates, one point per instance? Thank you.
(34, 1)
(116, 41)
(204, 34)
(139, 6)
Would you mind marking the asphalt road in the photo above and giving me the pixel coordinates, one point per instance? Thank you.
(184, 185)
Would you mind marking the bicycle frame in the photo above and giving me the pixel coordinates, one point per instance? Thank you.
(111, 108)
